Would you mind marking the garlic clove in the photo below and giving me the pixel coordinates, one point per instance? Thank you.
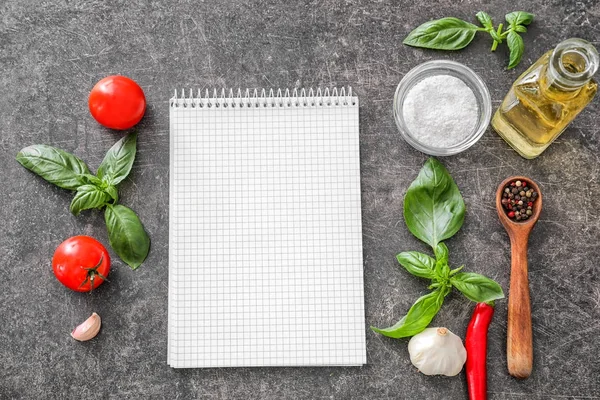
(437, 351)
(88, 329)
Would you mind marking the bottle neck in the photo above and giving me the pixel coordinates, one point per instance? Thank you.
(571, 66)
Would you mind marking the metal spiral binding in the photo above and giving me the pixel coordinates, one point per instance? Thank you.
(251, 98)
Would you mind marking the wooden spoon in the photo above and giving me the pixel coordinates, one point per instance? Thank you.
(519, 341)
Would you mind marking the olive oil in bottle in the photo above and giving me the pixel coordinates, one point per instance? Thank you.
(547, 97)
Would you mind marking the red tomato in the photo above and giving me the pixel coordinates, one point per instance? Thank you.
(117, 102)
(81, 263)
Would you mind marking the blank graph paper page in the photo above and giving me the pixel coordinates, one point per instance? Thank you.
(265, 241)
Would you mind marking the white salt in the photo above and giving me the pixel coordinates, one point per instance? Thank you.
(440, 111)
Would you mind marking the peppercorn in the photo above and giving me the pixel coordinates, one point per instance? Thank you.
(517, 200)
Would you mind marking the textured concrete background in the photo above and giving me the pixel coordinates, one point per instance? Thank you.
(52, 53)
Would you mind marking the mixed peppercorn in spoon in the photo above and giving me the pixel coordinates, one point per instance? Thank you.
(517, 200)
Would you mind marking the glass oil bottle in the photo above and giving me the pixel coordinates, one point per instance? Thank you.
(547, 97)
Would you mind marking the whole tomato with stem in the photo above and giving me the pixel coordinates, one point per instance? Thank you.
(81, 263)
(117, 102)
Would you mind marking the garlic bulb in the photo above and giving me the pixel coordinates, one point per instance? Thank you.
(437, 351)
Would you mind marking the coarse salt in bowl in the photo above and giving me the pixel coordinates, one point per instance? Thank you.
(442, 107)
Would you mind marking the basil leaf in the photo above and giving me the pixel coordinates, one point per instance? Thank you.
(126, 235)
(118, 160)
(441, 252)
(418, 264)
(476, 287)
(93, 180)
(88, 196)
(54, 165)
(112, 192)
(434, 209)
(442, 34)
(485, 20)
(516, 47)
(456, 270)
(519, 18)
(495, 36)
(417, 318)
(520, 29)
(442, 268)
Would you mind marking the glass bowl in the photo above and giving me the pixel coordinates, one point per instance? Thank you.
(443, 67)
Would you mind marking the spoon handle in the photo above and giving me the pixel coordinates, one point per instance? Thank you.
(519, 345)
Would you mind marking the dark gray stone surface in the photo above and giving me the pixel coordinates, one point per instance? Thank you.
(52, 53)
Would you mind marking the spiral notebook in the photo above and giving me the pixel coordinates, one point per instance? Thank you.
(265, 243)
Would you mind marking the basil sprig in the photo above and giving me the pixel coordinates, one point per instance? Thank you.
(126, 233)
(455, 34)
(434, 210)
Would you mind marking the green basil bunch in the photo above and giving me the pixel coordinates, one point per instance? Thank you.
(454, 34)
(126, 233)
(434, 211)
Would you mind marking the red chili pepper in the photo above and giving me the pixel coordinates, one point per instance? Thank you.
(476, 345)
